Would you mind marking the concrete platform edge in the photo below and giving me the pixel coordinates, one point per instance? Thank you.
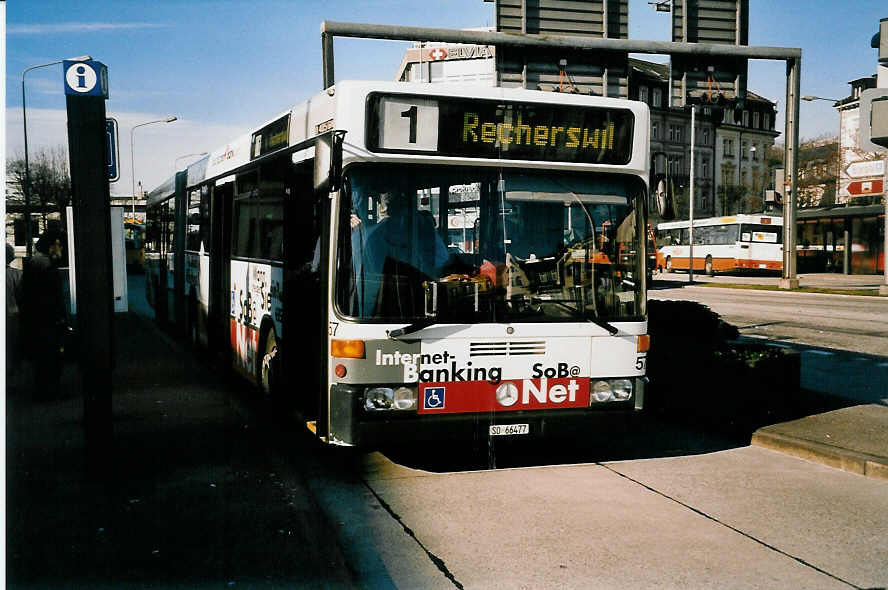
(836, 457)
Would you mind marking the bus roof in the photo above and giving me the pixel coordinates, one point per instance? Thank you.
(345, 105)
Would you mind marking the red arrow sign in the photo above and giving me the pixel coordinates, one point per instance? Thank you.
(865, 187)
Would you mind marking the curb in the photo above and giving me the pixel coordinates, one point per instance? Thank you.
(836, 457)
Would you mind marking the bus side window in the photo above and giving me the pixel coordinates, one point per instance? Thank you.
(258, 215)
(192, 237)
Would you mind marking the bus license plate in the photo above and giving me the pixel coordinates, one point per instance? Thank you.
(509, 429)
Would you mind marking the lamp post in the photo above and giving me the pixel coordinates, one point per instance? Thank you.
(846, 255)
(27, 187)
(810, 97)
(169, 119)
(176, 163)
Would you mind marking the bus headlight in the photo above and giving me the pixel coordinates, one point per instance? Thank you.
(387, 398)
(405, 398)
(601, 391)
(610, 390)
(621, 389)
(379, 398)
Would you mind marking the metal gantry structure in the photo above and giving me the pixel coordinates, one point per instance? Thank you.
(791, 56)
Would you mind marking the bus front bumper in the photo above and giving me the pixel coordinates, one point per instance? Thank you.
(351, 425)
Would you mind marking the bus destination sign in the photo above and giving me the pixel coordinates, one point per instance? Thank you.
(499, 129)
(272, 137)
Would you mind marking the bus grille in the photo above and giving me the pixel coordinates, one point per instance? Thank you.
(507, 348)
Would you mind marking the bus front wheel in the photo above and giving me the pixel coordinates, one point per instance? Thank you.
(708, 268)
(268, 364)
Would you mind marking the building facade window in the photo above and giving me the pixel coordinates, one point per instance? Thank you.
(746, 118)
(767, 124)
(704, 168)
(755, 119)
(743, 153)
(675, 133)
(755, 151)
(643, 93)
(705, 136)
(727, 176)
(657, 98)
(728, 148)
(676, 166)
(655, 130)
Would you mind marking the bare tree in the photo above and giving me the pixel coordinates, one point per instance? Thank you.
(50, 182)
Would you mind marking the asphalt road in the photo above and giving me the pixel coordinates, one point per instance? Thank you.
(855, 323)
(843, 339)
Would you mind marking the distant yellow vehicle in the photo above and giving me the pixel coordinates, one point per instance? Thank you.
(134, 238)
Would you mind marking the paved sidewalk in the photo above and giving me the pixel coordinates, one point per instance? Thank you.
(853, 439)
(824, 280)
(194, 497)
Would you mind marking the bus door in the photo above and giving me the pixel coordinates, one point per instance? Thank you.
(220, 268)
(759, 245)
(304, 309)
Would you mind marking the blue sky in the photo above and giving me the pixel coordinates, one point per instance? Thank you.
(222, 67)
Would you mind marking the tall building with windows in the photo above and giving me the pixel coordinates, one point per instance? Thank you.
(743, 139)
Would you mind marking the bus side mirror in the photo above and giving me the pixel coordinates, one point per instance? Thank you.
(664, 199)
(328, 161)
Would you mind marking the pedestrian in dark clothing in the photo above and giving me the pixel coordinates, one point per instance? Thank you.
(44, 319)
(14, 344)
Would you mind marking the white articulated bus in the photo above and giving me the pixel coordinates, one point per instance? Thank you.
(400, 261)
(722, 244)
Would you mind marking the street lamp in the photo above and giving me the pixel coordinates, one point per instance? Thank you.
(810, 98)
(169, 119)
(176, 163)
(27, 186)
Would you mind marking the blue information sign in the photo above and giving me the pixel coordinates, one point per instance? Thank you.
(85, 78)
(112, 152)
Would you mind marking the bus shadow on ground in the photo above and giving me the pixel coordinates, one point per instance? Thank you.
(645, 436)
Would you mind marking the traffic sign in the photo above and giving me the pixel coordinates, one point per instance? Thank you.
(865, 187)
(85, 78)
(873, 132)
(112, 150)
(865, 168)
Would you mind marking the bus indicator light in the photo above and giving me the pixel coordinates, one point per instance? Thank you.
(644, 343)
(347, 349)
(340, 371)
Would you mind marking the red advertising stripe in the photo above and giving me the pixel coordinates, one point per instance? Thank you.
(515, 394)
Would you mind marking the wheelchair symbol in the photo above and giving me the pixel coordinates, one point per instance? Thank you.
(434, 398)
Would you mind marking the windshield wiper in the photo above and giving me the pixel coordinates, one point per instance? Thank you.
(410, 329)
(612, 330)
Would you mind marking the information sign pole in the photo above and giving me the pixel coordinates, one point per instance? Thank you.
(86, 88)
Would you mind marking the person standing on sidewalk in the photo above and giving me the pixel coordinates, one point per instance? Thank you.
(44, 318)
(13, 306)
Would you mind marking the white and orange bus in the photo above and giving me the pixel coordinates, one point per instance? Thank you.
(391, 260)
(722, 244)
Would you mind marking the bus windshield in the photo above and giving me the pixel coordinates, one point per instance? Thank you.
(471, 244)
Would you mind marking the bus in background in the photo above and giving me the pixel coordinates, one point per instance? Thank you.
(134, 241)
(396, 261)
(722, 244)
